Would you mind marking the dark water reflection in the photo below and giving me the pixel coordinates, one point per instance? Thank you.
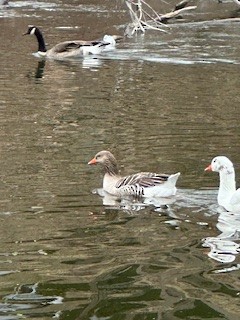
(163, 103)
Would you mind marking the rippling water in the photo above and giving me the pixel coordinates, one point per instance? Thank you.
(163, 102)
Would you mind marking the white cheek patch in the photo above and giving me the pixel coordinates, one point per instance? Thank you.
(33, 31)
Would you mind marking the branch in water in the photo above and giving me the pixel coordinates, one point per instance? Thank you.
(144, 17)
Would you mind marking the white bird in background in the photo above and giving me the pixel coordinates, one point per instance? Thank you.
(228, 196)
(143, 184)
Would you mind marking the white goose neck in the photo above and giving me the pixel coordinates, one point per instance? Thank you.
(227, 182)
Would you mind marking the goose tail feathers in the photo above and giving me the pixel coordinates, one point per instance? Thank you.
(109, 40)
(106, 44)
(173, 178)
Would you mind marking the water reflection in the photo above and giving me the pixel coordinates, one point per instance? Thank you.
(34, 5)
(133, 203)
(26, 298)
(13, 8)
(28, 293)
(223, 248)
(39, 72)
(91, 62)
(87, 63)
(167, 101)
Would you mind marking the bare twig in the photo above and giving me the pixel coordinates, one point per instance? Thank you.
(175, 13)
(143, 16)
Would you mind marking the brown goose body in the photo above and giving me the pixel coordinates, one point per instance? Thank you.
(145, 184)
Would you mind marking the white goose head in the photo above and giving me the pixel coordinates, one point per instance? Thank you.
(221, 164)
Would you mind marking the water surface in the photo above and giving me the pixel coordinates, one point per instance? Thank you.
(163, 102)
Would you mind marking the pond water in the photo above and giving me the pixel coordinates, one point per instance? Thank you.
(162, 102)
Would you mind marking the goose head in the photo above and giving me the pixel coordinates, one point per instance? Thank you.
(221, 164)
(102, 157)
(31, 30)
(107, 160)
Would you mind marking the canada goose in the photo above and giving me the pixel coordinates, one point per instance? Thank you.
(145, 184)
(70, 49)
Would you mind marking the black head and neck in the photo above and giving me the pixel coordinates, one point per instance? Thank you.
(32, 30)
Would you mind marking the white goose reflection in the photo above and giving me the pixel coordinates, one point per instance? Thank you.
(223, 248)
(132, 203)
(91, 61)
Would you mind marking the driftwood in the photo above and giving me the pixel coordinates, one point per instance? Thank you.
(144, 17)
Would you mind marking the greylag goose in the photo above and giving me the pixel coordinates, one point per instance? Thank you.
(70, 49)
(144, 184)
(228, 196)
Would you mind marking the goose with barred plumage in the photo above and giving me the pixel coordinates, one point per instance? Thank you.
(70, 49)
(143, 184)
(228, 195)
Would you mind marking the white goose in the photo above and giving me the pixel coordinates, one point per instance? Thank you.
(70, 49)
(143, 184)
(228, 196)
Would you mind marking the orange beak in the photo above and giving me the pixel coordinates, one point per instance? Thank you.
(93, 161)
(209, 168)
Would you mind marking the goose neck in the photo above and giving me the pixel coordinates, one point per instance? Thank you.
(41, 42)
(111, 168)
(227, 181)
